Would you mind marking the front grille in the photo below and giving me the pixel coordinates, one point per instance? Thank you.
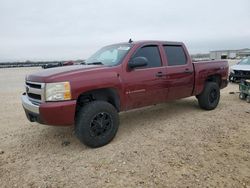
(34, 96)
(242, 73)
(34, 85)
(35, 92)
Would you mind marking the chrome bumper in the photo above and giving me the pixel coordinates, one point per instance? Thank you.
(29, 105)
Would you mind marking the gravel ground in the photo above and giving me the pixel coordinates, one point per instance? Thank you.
(169, 145)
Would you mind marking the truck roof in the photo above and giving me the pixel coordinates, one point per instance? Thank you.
(153, 41)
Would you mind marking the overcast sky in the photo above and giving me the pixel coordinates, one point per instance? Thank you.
(73, 29)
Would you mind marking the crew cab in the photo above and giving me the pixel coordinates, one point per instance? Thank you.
(116, 78)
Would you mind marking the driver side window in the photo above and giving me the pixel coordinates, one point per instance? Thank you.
(152, 54)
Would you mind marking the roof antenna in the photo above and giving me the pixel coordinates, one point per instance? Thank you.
(130, 41)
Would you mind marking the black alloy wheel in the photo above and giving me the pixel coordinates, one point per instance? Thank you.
(101, 124)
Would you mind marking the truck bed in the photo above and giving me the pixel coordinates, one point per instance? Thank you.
(203, 69)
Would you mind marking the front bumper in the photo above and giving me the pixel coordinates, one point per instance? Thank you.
(51, 113)
(238, 76)
(31, 110)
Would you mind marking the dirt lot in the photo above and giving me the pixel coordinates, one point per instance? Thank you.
(168, 145)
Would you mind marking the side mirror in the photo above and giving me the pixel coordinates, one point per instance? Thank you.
(138, 62)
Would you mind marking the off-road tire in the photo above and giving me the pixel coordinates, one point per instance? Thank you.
(85, 119)
(210, 96)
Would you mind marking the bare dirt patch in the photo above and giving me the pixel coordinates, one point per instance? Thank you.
(169, 145)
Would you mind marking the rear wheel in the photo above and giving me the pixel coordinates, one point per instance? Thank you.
(210, 96)
(97, 123)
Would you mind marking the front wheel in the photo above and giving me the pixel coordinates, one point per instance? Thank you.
(97, 123)
(242, 96)
(248, 99)
(210, 96)
(230, 79)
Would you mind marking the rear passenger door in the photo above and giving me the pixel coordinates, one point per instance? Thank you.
(146, 85)
(180, 73)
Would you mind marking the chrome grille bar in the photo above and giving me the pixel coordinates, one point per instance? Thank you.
(35, 92)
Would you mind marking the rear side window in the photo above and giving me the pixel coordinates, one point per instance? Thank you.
(151, 53)
(175, 55)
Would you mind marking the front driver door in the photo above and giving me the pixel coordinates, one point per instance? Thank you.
(146, 85)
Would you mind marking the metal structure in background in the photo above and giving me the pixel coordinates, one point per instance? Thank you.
(230, 54)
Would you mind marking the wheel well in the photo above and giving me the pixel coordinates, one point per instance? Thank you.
(214, 78)
(107, 94)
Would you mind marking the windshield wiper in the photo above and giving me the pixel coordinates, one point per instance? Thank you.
(95, 63)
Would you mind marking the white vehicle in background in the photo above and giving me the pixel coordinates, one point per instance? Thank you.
(240, 71)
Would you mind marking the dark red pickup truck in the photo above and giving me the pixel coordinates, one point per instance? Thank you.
(118, 78)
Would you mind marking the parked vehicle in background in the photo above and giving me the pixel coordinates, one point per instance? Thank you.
(117, 78)
(240, 71)
(52, 65)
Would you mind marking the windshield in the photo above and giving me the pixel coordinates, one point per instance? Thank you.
(245, 61)
(109, 55)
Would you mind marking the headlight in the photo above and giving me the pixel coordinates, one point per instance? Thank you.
(57, 91)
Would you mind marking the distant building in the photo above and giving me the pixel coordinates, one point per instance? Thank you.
(230, 54)
(200, 57)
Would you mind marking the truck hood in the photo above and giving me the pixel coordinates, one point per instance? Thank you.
(59, 73)
(241, 67)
